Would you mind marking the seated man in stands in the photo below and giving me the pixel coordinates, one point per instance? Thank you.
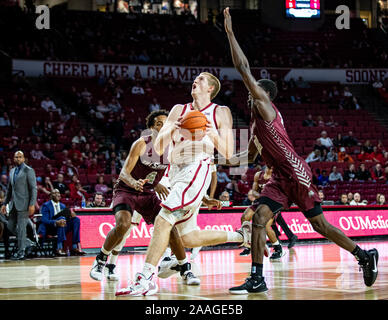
(350, 174)
(59, 220)
(378, 174)
(343, 201)
(61, 185)
(335, 175)
(98, 201)
(363, 174)
(357, 200)
(225, 199)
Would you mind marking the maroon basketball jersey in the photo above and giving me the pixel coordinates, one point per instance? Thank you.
(276, 149)
(261, 181)
(148, 167)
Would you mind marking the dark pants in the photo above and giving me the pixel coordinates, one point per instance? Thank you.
(72, 224)
(17, 224)
(280, 221)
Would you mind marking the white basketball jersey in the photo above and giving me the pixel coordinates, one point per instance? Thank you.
(183, 151)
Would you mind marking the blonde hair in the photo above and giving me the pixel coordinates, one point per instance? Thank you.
(213, 81)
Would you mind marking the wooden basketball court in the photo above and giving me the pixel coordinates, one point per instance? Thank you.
(306, 272)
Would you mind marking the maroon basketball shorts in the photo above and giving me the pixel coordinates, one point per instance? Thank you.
(145, 203)
(279, 193)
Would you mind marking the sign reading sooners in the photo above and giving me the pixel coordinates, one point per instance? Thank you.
(354, 223)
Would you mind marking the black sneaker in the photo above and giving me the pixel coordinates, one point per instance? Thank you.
(369, 268)
(292, 241)
(277, 254)
(245, 252)
(251, 285)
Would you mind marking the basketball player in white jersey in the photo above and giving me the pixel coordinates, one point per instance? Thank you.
(190, 176)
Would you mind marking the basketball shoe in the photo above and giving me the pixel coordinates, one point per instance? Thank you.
(278, 253)
(96, 272)
(168, 266)
(141, 287)
(188, 276)
(110, 272)
(246, 232)
(369, 267)
(247, 252)
(253, 284)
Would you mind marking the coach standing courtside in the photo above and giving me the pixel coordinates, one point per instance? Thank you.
(21, 199)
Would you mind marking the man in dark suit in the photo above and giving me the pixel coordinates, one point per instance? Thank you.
(21, 199)
(59, 220)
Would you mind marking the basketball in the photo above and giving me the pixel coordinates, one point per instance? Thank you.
(194, 120)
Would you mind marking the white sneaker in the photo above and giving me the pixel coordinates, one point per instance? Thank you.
(96, 272)
(168, 267)
(194, 253)
(110, 272)
(125, 291)
(190, 279)
(246, 232)
(143, 286)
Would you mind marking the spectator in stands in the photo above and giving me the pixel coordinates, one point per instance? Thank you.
(59, 220)
(320, 121)
(36, 129)
(381, 201)
(86, 96)
(367, 147)
(309, 122)
(7, 166)
(343, 156)
(338, 141)
(137, 89)
(243, 185)
(222, 177)
(37, 154)
(225, 199)
(335, 175)
(69, 169)
(114, 105)
(357, 200)
(350, 174)
(350, 140)
(139, 125)
(323, 156)
(343, 201)
(154, 106)
(331, 123)
(101, 187)
(314, 156)
(98, 201)
(377, 199)
(49, 105)
(377, 155)
(364, 157)
(378, 174)
(385, 160)
(4, 183)
(332, 156)
(350, 197)
(60, 185)
(321, 195)
(47, 152)
(325, 140)
(300, 83)
(347, 92)
(363, 174)
(5, 120)
(112, 167)
(323, 179)
(77, 193)
(51, 172)
(79, 138)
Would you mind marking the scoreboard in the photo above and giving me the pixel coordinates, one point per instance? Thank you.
(303, 8)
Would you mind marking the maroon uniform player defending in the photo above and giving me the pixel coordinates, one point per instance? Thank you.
(291, 181)
(135, 190)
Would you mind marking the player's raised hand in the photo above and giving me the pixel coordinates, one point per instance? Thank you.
(139, 184)
(162, 191)
(227, 21)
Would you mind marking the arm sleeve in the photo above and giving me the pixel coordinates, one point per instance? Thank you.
(46, 215)
(31, 179)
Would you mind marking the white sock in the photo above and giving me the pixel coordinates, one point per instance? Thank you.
(148, 270)
(182, 262)
(113, 258)
(104, 251)
(234, 237)
(276, 243)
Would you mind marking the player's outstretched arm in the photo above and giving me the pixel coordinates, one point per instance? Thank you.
(242, 158)
(165, 134)
(240, 62)
(137, 149)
